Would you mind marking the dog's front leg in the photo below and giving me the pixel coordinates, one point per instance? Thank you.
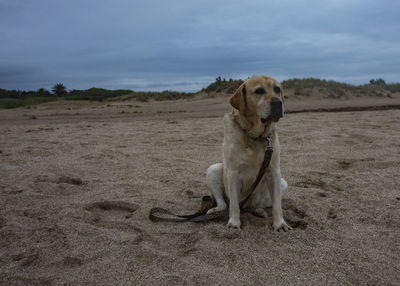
(278, 223)
(234, 188)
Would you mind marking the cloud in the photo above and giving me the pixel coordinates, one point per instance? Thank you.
(183, 45)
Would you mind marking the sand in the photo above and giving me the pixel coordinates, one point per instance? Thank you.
(78, 180)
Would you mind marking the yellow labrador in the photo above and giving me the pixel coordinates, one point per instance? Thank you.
(257, 106)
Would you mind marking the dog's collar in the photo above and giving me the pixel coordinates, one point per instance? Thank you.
(260, 138)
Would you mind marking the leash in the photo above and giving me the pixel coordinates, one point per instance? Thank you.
(201, 215)
(160, 214)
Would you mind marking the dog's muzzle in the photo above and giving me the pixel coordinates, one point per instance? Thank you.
(275, 111)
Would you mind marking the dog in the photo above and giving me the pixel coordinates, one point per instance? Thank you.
(257, 107)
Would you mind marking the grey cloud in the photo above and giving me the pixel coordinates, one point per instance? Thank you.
(184, 45)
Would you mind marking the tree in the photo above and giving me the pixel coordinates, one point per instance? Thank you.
(42, 92)
(59, 89)
(378, 81)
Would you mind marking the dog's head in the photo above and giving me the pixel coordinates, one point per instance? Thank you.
(259, 98)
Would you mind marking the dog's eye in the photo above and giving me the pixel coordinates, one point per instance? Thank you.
(259, 90)
(277, 89)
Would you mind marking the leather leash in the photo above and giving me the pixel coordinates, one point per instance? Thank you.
(160, 214)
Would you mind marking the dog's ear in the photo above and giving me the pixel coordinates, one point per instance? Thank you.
(238, 100)
(282, 96)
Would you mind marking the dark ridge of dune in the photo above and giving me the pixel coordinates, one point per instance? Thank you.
(348, 108)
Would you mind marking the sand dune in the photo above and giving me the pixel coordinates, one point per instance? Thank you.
(77, 183)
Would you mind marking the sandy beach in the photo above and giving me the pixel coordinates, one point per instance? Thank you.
(78, 180)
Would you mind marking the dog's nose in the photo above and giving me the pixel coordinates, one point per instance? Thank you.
(276, 102)
(276, 107)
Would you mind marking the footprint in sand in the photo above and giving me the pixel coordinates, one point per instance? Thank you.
(318, 181)
(26, 258)
(188, 243)
(63, 185)
(332, 214)
(345, 164)
(310, 183)
(295, 217)
(69, 180)
(111, 214)
(2, 222)
(71, 261)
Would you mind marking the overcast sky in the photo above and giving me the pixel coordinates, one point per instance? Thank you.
(184, 45)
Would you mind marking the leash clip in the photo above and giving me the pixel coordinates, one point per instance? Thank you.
(269, 144)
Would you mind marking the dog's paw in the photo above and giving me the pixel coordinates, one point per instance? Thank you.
(281, 226)
(233, 224)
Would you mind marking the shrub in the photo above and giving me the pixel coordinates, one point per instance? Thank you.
(59, 89)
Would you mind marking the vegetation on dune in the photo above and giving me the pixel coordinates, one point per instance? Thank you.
(41, 92)
(18, 98)
(98, 94)
(335, 89)
(305, 86)
(298, 83)
(162, 95)
(18, 102)
(301, 87)
(223, 85)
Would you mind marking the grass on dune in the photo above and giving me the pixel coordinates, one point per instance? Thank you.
(301, 87)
